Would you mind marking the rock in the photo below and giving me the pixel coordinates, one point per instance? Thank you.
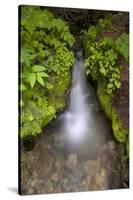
(58, 189)
(30, 191)
(44, 164)
(102, 179)
(59, 141)
(90, 167)
(48, 146)
(55, 177)
(72, 161)
(33, 183)
(59, 163)
(111, 145)
(50, 187)
(65, 184)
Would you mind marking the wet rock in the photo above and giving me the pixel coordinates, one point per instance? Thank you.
(59, 163)
(48, 146)
(59, 141)
(33, 183)
(72, 161)
(44, 164)
(90, 167)
(65, 183)
(50, 187)
(30, 191)
(102, 179)
(55, 177)
(85, 184)
(111, 145)
(58, 189)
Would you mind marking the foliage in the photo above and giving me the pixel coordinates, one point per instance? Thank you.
(45, 61)
(102, 54)
(122, 45)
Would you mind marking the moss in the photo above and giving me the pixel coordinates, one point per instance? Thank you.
(57, 96)
(105, 99)
(119, 131)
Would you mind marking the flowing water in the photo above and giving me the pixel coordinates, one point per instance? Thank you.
(84, 129)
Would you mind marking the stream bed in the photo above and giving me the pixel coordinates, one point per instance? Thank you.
(46, 169)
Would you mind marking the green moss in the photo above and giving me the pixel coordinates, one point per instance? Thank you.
(57, 96)
(120, 132)
(105, 99)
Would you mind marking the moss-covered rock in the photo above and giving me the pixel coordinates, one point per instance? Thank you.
(120, 132)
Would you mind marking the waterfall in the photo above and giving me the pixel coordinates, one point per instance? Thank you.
(77, 118)
(83, 126)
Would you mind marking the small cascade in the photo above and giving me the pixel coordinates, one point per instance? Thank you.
(84, 129)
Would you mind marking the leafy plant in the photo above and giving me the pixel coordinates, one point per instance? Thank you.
(45, 61)
(122, 45)
(102, 55)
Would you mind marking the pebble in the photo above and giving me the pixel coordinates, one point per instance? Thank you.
(72, 161)
(50, 188)
(65, 184)
(58, 189)
(30, 191)
(33, 183)
(101, 179)
(55, 177)
(84, 182)
(90, 167)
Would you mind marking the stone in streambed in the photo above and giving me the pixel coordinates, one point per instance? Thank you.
(55, 177)
(90, 167)
(30, 191)
(50, 187)
(72, 161)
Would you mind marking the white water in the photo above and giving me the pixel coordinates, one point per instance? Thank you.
(77, 118)
(83, 126)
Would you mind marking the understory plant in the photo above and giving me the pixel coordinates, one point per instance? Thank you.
(45, 62)
(105, 44)
(102, 54)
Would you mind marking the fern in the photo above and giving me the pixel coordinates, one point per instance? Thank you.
(44, 55)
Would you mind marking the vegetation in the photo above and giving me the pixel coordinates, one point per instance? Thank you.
(103, 53)
(45, 61)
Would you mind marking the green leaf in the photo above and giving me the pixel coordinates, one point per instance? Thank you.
(21, 103)
(110, 85)
(42, 74)
(22, 87)
(49, 86)
(32, 79)
(103, 71)
(118, 84)
(40, 79)
(31, 117)
(38, 68)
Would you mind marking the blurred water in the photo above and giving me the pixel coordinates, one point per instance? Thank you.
(84, 129)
